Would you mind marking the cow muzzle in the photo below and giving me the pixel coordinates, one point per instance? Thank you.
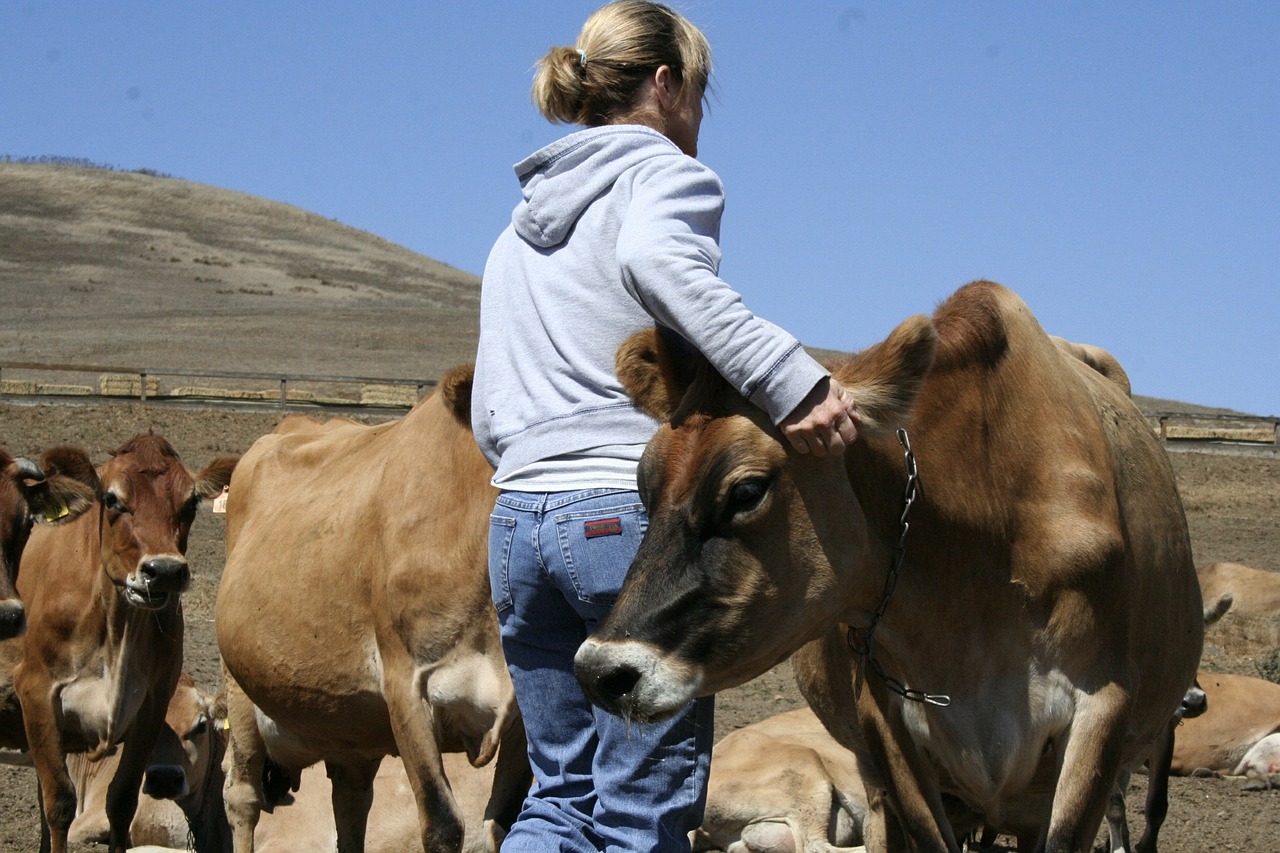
(165, 782)
(634, 681)
(155, 580)
(13, 618)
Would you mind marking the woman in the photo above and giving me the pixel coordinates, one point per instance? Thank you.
(617, 230)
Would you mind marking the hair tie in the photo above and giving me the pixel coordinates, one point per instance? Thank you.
(582, 58)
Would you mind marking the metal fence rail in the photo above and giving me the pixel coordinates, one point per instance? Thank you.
(143, 383)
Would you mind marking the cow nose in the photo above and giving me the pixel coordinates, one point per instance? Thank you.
(13, 618)
(168, 570)
(1194, 703)
(164, 782)
(606, 681)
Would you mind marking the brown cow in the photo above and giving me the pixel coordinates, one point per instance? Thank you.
(34, 494)
(181, 798)
(1254, 592)
(782, 785)
(103, 646)
(354, 617)
(1236, 736)
(1033, 640)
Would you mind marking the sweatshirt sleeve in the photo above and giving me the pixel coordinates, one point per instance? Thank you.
(669, 253)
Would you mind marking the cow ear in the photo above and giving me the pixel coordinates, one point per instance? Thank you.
(215, 477)
(886, 378)
(455, 391)
(1099, 359)
(655, 371)
(66, 487)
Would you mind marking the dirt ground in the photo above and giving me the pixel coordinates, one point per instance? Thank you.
(1232, 504)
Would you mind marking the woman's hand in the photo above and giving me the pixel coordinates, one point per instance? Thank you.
(825, 422)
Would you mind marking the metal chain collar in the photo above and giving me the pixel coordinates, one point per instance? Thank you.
(866, 653)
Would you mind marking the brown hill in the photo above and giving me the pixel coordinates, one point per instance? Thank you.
(130, 270)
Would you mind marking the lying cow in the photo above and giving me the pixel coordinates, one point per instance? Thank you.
(103, 646)
(32, 494)
(306, 821)
(354, 617)
(181, 798)
(1237, 736)
(782, 785)
(1032, 641)
(1254, 592)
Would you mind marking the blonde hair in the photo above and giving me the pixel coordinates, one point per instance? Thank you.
(596, 81)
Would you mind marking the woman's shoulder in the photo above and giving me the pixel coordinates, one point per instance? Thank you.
(677, 169)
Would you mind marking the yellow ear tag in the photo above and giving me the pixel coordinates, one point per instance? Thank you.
(220, 502)
(226, 725)
(55, 512)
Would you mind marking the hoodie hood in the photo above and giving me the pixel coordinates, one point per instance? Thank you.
(561, 180)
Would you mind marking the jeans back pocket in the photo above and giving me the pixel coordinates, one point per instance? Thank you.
(598, 545)
(502, 531)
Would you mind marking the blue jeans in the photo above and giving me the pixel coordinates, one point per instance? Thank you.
(556, 564)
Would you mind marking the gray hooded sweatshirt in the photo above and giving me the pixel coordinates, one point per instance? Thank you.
(617, 230)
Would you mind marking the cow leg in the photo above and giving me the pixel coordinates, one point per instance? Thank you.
(57, 794)
(825, 674)
(122, 792)
(511, 780)
(1089, 769)
(1157, 806)
(1117, 816)
(45, 841)
(243, 763)
(352, 794)
(414, 725)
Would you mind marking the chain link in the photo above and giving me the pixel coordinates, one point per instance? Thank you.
(866, 653)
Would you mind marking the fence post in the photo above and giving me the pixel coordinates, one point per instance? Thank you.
(284, 394)
(1164, 428)
(142, 385)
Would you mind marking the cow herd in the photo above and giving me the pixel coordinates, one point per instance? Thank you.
(989, 603)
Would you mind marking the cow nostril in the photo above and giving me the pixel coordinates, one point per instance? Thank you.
(618, 682)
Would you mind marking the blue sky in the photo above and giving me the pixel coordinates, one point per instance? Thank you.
(1117, 164)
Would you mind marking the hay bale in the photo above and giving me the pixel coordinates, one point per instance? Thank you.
(64, 390)
(1262, 434)
(126, 385)
(389, 395)
(218, 393)
(17, 386)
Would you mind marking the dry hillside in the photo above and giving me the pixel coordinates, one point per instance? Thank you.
(126, 270)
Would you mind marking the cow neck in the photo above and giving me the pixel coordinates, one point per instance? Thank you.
(864, 647)
(129, 636)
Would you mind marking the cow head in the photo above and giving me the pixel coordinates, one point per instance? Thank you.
(149, 501)
(56, 491)
(752, 549)
(190, 746)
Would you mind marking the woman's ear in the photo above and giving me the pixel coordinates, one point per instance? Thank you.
(666, 87)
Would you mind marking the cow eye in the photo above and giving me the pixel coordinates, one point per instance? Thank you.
(112, 501)
(746, 495)
(198, 729)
